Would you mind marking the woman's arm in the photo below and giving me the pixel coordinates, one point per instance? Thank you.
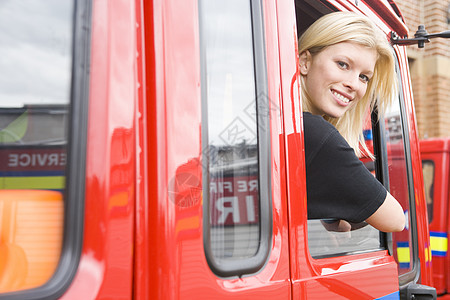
(389, 217)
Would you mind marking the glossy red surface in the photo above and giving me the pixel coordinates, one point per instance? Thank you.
(106, 266)
(144, 131)
(141, 243)
(178, 267)
(437, 150)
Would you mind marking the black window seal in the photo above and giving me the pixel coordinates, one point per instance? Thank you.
(76, 157)
(381, 167)
(253, 264)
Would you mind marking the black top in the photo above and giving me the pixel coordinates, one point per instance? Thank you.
(338, 184)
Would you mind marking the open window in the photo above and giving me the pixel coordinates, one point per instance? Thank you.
(321, 241)
(389, 140)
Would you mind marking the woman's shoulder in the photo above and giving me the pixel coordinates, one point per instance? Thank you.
(316, 124)
(320, 134)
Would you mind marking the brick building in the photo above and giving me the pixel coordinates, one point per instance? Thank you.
(430, 66)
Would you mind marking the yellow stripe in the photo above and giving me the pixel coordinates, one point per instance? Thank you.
(438, 243)
(42, 182)
(403, 255)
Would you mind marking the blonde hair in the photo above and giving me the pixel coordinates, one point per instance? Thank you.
(340, 27)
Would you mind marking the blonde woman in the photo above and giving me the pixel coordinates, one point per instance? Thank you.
(346, 65)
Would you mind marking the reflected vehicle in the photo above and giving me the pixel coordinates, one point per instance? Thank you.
(234, 202)
(33, 146)
(435, 154)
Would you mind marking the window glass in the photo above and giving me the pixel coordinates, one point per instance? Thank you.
(35, 59)
(232, 140)
(323, 242)
(428, 184)
(398, 184)
(231, 157)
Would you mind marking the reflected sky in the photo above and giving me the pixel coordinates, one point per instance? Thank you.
(227, 34)
(35, 52)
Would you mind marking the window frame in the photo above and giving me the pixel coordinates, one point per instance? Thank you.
(325, 8)
(383, 169)
(74, 193)
(382, 173)
(256, 262)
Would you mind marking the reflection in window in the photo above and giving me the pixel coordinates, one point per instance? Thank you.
(232, 153)
(35, 64)
(232, 139)
(325, 242)
(35, 51)
(398, 184)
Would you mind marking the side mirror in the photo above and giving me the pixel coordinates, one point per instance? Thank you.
(420, 37)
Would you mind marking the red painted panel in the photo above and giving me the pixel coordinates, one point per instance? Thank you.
(178, 267)
(437, 151)
(144, 138)
(106, 265)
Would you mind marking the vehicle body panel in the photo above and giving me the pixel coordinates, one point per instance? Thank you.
(437, 152)
(144, 202)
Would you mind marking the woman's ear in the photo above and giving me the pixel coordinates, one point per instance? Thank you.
(304, 62)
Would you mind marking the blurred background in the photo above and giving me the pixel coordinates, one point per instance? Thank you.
(430, 66)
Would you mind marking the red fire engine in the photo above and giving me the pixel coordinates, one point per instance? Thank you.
(154, 150)
(436, 176)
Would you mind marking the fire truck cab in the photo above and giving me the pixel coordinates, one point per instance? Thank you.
(174, 165)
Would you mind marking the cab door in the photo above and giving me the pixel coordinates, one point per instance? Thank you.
(215, 218)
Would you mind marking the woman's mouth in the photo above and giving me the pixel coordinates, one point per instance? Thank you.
(341, 97)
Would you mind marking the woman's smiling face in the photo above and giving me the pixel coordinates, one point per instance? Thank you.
(337, 77)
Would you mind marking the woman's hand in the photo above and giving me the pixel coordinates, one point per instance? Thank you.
(336, 225)
(342, 225)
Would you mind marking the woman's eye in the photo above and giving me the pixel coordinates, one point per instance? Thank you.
(342, 64)
(364, 78)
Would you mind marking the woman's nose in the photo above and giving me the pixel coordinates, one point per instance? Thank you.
(352, 81)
